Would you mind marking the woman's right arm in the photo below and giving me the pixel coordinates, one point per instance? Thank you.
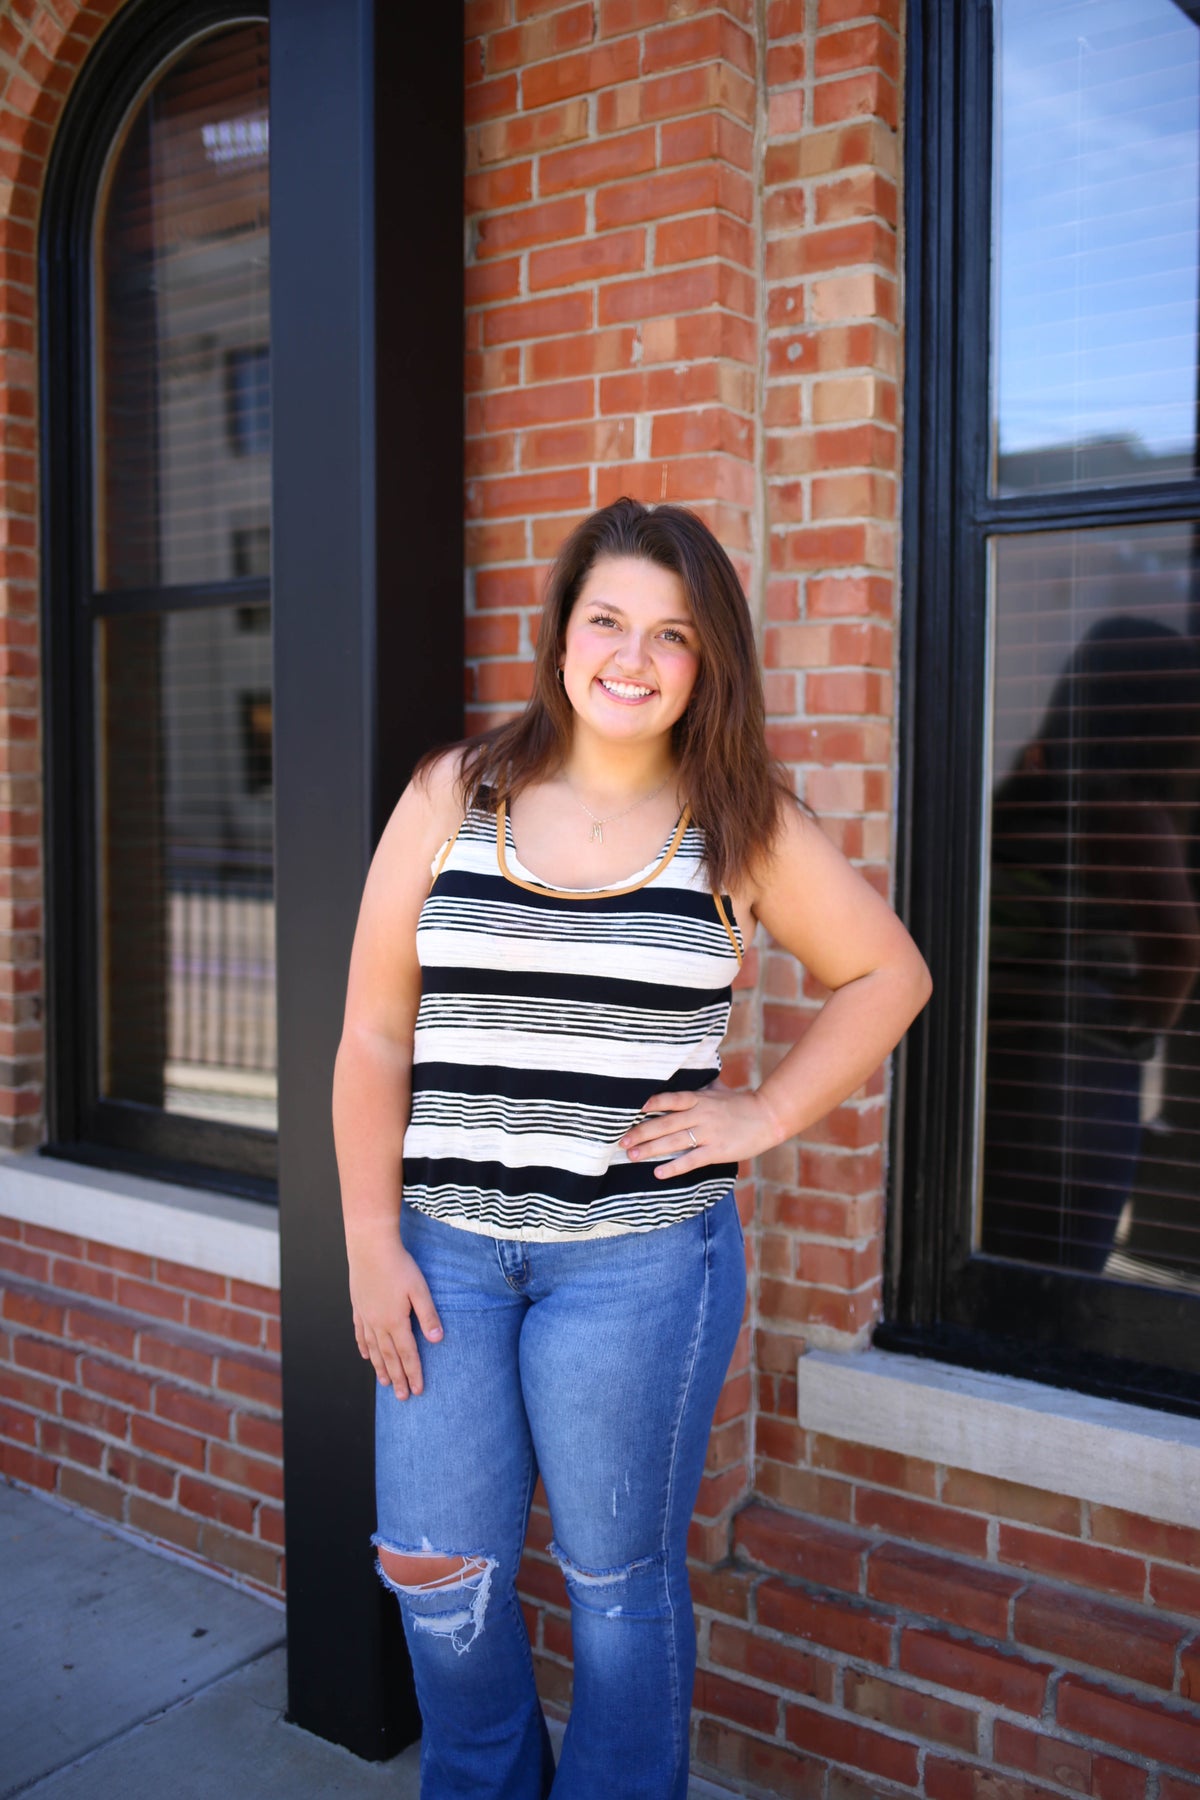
(372, 1084)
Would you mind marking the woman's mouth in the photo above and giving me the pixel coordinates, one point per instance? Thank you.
(625, 690)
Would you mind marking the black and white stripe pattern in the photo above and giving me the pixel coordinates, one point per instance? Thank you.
(547, 1019)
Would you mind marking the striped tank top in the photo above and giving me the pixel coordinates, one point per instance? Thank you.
(548, 1017)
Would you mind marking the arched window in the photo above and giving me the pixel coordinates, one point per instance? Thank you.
(157, 460)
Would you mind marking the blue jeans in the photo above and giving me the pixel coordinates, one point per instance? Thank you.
(599, 1364)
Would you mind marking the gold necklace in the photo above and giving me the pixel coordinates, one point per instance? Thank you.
(598, 824)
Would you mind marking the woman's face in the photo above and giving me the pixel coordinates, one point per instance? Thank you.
(631, 652)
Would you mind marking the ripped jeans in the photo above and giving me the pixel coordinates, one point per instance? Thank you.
(598, 1363)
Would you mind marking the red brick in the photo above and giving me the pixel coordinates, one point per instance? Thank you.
(1067, 1560)
(92, 1492)
(1167, 1734)
(125, 1262)
(164, 1522)
(1176, 1589)
(1171, 1789)
(28, 1390)
(122, 1385)
(491, 99)
(229, 1322)
(1003, 1679)
(98, 1415)
(972, 1598)
(197, 1412)
(769, 1662)
(564, 29)
(871, 94)
(841, 1740)
(1134, 1644)
(196, 1281)
(582, 73)
(30, 1265)
(85, 1278)
(227, 1508)
(801, 1547)
(175, 1359)
(945, 1780)
(908, 1710)
(538, 318)
(856, 1630)
(253, 1432)
(181, 1447)
(544, 130)
(917, 1519)
(1072, 1766)
(270, 1525)
(18, 1425)
(757, 1764)
(101, 1333)
(589, 353)
(591, 259)
(748, 1706)
(1146, 1537)
(254, 1296)
(20, 1463)
(608, 159)
(498, 234)
(35, 1313)
(67, 1445)
(690, 41)
(869, 46)
(156, 1302)
(246, 1471)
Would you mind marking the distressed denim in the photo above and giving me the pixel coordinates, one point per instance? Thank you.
(599, 1365)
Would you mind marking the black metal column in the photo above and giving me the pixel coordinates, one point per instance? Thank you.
(366, 248)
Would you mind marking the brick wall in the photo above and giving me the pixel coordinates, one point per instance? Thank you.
(683, 281)
(145, 1392)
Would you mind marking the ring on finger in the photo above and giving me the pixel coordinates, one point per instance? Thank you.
(692, 1135)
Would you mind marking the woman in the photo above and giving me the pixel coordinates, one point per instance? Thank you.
(535, 1038)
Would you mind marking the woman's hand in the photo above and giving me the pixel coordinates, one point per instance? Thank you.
(386, 1290)
(714, 1125)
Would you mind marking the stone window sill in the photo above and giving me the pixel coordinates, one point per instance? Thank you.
(198, 1228)
(1104, 1451)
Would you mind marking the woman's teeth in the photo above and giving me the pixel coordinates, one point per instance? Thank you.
(626, 690)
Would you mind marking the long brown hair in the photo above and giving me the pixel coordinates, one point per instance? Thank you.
(732, 783)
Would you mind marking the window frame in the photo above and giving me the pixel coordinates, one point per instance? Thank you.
(144, 39)
(942, 1298)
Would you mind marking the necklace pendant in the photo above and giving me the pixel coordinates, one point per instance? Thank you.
(597, 833)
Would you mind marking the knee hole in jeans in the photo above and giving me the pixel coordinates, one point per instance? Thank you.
(442, 1596)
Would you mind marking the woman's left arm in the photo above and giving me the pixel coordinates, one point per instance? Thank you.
(816, 905)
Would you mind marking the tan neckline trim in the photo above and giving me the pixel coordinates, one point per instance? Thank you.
(729, 931)
(612, 893)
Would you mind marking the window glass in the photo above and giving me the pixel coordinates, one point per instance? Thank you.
(1091, 1139)
(181, 668)
(1096, 274)
(183, 420)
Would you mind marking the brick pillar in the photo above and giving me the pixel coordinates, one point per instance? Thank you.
(831, 458)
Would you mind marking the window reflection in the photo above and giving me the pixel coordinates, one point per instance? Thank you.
(1096, 274)
(1091, 1138)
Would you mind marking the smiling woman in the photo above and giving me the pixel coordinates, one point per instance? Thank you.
(531, 1059)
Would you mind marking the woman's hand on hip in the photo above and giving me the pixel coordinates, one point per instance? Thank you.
(387, 1290)
(693, 1130)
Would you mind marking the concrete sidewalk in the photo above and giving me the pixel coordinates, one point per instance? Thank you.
(127, 1675)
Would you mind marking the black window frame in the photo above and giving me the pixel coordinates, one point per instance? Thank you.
(82, 1125)
(941, 1297)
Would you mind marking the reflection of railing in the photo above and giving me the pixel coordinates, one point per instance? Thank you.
(221, 992)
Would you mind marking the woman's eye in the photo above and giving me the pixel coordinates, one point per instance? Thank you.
(674, 637)
(601, 619)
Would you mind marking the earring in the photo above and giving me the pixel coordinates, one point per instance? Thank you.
(561, 680)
